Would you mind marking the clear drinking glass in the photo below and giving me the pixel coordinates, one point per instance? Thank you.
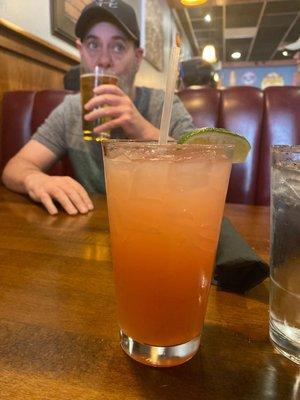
(165, 205)
(88, 82)
(285, 251)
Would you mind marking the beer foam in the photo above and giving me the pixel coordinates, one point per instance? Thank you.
(88, 74)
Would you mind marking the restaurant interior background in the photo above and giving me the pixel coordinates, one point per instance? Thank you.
(36, 47)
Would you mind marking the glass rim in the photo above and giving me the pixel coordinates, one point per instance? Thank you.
(285, 148)
(154, 144)
(83, 74)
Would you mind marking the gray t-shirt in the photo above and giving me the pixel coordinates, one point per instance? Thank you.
(62, 133)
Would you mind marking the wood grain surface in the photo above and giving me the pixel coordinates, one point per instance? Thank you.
(58, 327)
(28, 62)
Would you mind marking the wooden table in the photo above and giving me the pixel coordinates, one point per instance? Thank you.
(59, 334)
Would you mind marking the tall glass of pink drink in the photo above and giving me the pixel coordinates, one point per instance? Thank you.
(165, 205)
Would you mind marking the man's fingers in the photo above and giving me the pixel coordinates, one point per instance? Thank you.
(111, 111)
(65, 190)
(65, 201)
(98, 101)
(82, 193)
(113, 89)
(78, 202)
(108, 126)
(85, 197)
(48, 203)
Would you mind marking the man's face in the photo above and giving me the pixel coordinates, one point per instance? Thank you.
(108, 47)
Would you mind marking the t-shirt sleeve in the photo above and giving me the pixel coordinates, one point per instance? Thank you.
(181, 120)
(52, 132)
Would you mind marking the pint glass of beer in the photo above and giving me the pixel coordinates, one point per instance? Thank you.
(88, 81)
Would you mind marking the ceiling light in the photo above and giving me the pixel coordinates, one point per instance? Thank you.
(195, 87)
(209, 53)
(216, 77)
(294, 45)
(236, 55)
(207, 18)
(285, 53)
(191, 3)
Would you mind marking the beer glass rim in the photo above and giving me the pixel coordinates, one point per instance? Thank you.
(99, 72)
(92, 73)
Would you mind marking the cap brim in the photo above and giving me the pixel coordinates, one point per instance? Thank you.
(97, 15)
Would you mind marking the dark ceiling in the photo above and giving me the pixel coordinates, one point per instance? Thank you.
(258, 29)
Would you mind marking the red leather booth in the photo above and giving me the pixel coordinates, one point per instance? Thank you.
(264, 117)
(22, 113)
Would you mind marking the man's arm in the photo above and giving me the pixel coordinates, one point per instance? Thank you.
(24, 173)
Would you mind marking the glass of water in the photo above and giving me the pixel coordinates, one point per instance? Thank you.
(285, 251)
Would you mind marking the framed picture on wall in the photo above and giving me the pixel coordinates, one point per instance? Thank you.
(152, 34)
(64, 14)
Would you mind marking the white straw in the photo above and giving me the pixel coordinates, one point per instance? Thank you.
(97, 73)
(172, 74)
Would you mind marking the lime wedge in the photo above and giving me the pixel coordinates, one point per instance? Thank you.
(218, 136)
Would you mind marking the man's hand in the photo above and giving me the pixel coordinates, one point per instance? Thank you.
(63, 189)
(23, 174)
(123, 112)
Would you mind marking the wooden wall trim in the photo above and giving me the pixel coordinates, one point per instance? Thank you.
(15, 40)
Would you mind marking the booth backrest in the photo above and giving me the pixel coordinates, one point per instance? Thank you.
(264, 117)
(239, 110)
(22, 113)
(281, 126)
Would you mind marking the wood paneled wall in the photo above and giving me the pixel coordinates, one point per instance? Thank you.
(30, 63)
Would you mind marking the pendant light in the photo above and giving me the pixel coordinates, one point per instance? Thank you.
(209, 53)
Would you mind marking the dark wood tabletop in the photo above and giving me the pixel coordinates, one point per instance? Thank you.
(59, 333)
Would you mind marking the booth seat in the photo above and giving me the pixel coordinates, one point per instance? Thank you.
(264, 117)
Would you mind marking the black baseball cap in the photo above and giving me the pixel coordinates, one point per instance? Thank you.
(116, 11)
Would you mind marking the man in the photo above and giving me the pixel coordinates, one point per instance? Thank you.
(108, 36)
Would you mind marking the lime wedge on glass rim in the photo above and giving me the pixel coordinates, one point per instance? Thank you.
(218, 136)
